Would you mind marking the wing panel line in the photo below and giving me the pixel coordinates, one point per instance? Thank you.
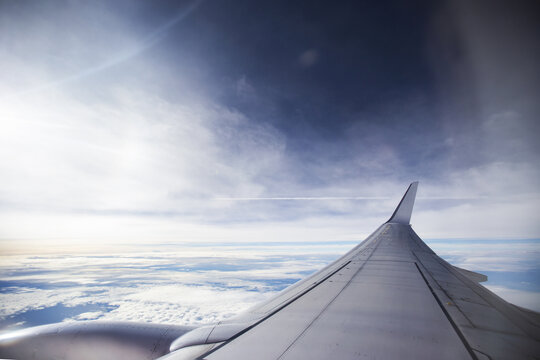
(274, 312)
(307, 283)
(333, 299)
(378, 241)
(456, 328)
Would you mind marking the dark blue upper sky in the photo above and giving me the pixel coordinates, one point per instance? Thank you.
(420, 75)
(313, 65)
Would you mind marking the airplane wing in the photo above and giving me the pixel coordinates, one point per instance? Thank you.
(390, 297)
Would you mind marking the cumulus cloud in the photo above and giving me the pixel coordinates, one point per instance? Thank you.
(173, 284)
(489, 255)
(526, 299)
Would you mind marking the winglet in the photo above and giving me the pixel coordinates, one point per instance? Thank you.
(402, 214)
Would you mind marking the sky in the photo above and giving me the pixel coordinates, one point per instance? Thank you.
(123, 119)
(216, 121)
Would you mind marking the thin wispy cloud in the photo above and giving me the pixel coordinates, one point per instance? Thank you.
(140, 46)
(321, 198)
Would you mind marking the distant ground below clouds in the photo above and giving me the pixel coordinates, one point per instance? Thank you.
(205, 283)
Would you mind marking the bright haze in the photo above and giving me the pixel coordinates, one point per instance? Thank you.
(245, 122)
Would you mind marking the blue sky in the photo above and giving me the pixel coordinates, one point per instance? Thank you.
(204, 121)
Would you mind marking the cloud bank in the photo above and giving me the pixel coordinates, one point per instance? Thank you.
(193, 284)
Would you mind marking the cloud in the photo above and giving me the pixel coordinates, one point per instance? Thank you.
(181, 285)
(527, 299)
(94, 315)
(489, 255)
(129, 155)
(197, 283)
(127, 53)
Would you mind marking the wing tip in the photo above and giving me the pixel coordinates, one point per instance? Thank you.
(402, 213)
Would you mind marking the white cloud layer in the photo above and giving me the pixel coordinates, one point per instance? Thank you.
(527, 299)
(193, 284)
(170, 284)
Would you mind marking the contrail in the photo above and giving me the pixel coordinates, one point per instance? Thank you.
(323, 198)
(300, 198)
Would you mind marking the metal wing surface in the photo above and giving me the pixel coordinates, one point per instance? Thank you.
(389, 297)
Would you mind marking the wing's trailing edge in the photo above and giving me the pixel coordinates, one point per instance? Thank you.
(403, 212)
